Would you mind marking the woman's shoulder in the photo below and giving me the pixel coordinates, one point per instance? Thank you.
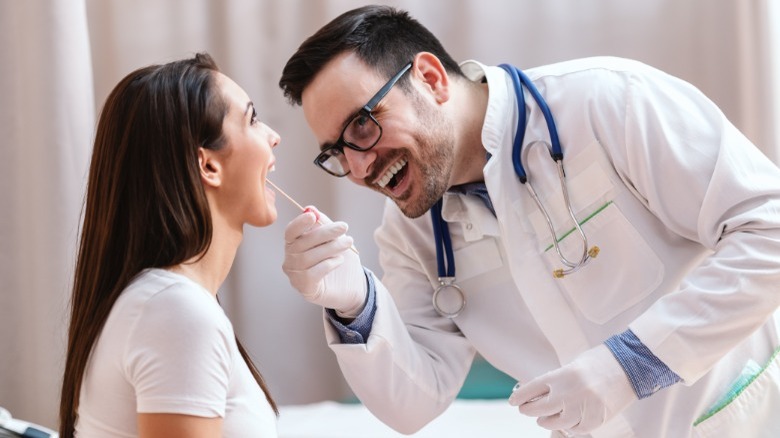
(158, 297)
(161, 284)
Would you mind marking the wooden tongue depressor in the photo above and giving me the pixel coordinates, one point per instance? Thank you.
(301, 207)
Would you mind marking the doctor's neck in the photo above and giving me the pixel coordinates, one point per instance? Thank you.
(470, 101)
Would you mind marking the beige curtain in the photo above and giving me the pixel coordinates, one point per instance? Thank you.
(46, 123)
(50, 92)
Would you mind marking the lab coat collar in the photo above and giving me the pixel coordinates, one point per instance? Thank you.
(501, 101)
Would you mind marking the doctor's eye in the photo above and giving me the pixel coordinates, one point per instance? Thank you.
(363, 131)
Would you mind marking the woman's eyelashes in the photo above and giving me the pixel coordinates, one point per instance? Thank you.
(253, 120)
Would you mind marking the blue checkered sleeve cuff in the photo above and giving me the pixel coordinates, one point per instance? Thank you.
(357, 331)
(645, 371)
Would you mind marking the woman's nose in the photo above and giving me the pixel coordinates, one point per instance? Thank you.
(274, 137)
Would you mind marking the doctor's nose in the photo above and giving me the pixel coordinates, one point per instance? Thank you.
(359, 162)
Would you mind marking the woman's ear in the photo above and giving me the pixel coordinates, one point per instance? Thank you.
(429, 69)
(210, 167)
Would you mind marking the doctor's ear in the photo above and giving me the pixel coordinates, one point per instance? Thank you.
(429, 69)
(210, 167)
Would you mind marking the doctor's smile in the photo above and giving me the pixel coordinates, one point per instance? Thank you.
(394, 175)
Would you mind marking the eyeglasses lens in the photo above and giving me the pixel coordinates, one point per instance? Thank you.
(362, 132)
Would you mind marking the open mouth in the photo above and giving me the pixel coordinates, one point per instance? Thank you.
(394, 175)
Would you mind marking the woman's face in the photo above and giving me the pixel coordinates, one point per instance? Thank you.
(247, 159)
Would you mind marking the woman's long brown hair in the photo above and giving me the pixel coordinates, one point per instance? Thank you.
(145, 203)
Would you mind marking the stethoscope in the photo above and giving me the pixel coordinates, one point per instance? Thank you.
(441, 230)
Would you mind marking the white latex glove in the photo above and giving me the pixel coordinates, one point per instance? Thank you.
(578, 397)
(321, 266)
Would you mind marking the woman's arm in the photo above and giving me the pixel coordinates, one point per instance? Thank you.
(178, 425)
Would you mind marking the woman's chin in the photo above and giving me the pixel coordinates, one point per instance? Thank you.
(265, 219)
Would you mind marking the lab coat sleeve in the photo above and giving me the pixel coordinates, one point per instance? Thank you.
(708, 183)
(412, 368)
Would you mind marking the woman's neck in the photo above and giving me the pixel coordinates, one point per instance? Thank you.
(211, 270)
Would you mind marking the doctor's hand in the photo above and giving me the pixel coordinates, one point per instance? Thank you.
(321, 266)
(578, 397)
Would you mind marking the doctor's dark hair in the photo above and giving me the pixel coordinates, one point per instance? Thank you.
(383, 37)
(145, 205)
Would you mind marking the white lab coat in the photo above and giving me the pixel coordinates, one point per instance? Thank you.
(688, 224)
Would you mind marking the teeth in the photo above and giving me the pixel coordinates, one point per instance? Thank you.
(273, 167)
(391, 172)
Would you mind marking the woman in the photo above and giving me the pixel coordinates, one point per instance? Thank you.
(178, 167)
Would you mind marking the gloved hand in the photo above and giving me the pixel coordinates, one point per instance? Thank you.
(578, 397)
(321, 266)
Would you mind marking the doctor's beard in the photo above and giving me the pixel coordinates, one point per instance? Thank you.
(433, 159)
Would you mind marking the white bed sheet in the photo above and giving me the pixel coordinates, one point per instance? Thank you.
(464, 418)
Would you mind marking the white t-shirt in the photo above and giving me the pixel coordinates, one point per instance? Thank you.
(168, 347)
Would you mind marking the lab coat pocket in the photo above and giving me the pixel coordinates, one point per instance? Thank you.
(625, 271)
(757, 403)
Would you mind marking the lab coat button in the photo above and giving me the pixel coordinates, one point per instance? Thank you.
(469, 226)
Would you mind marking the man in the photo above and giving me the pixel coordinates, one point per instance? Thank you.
(638, 319)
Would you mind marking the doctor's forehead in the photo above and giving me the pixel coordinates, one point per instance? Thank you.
(341, 88)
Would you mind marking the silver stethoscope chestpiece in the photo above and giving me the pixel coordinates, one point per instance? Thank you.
(448, 299)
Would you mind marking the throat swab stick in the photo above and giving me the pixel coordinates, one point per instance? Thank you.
(285, 195)
(300, 206)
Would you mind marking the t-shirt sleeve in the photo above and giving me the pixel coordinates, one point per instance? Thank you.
(177, 355)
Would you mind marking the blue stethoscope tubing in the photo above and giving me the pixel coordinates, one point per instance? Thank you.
(556, 153)
(441, 233)
(519, 79)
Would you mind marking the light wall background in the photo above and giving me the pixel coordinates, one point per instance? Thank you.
(60, 58)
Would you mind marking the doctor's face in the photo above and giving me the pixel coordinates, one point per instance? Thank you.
(412, 161)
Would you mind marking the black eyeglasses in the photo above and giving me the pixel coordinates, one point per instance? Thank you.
(361, 133)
